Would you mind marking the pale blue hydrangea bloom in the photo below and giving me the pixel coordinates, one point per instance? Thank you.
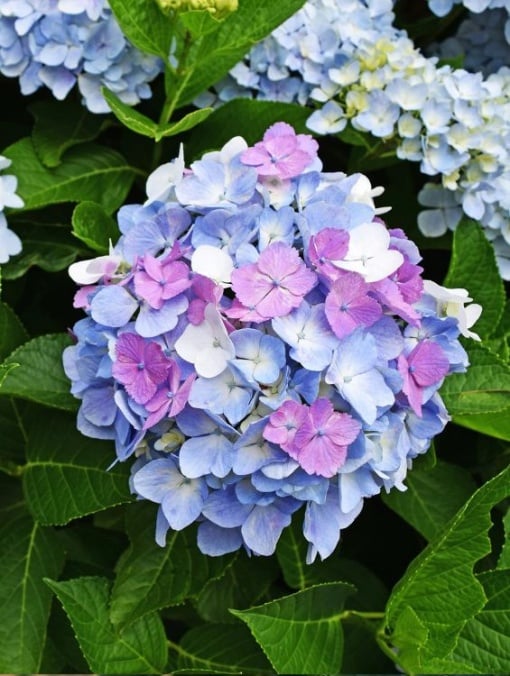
(63, 43)
(346, 59)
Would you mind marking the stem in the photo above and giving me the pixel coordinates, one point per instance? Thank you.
(180, 75)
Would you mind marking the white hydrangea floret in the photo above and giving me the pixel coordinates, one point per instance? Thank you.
(452, 303)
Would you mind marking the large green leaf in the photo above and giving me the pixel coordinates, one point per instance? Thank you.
(484, 642)
(28, 553)
(439, 593)
(433, 496)
(221, 49)
(12, 331)
(480, 398)
(473, 267)
(141, 648)
(219, 648)
(301, 633)
(149, 577)
(246, 118)
(51, 248)
(87, 172)
(59, 125)
(145, 25)
(40, 375)
(244, 583)
(67, 474)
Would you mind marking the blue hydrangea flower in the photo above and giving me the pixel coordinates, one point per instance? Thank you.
(61, 43)
(239, 406)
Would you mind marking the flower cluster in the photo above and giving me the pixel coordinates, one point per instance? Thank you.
(260, 342)
(60, 43)
(10, 243)
(481, 42)
(349, 61)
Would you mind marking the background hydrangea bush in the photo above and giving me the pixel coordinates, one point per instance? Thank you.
(257, 344)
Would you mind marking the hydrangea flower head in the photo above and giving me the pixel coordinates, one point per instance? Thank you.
(63, 43)
(263, 358)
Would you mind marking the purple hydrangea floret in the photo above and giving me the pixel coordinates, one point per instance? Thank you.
(296, 370)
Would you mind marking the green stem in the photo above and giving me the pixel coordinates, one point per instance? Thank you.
(180, 76)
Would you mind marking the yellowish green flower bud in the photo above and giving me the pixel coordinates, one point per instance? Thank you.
(218, 8)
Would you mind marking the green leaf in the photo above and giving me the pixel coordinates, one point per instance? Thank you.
(12, 331)
(67, 474)
(94, 226)
(50, 248)
(59, 125)
(149, 577)
(440, 588)
(244, 583)
(27, 554)
(246, 118)
(473, 267)
(479, 399)
(12, 431)
(484, 642)
(433, 496)
(141, 648)
(130, 118)
(141, 124)
(5, 369)
(504, 557)
(301, 633)
(87, 172)
(187, 122)
(40, 375)
(221, 49)
(198, 22)
(145, 25)
(217, 648)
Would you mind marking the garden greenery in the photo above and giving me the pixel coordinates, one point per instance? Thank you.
(252, 418)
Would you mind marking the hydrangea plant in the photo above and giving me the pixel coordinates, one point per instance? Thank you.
(261, 342)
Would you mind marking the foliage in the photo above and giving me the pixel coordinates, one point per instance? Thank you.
(421, 581)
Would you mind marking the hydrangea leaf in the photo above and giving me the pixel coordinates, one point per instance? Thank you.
(67, 474)
(440, 588)
(149, 577)
(221, 49)
(244, 583)
(504, 557)
(28, 553)
(141, 648)
(12, 331)
(40, 375)
(246, 118)
(218, 648)
(141, 124)
(11, 431)
(87, 172)
(483, 645)
(301, 633)
(48, 247)
(198, 22)
(473, 267)
(433, 496)
(93, 226)
(479, 398)
(59, 125)
(144, 25)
